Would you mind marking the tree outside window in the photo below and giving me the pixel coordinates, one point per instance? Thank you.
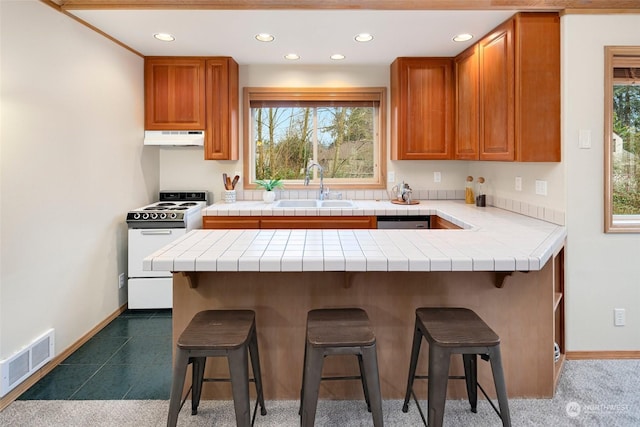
(338, 128)
(622, 136)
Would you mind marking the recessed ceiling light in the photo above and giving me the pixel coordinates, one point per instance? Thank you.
(363, 37)
(337, 56)
(264, 37)
(462, 37)
(165, 37)
(291, 56)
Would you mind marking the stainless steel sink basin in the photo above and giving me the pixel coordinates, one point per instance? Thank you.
(314, 204)
(296, 204)
(337, 204)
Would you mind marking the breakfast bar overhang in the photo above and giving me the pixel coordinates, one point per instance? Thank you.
(506, 267)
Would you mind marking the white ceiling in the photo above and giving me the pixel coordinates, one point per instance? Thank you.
(312, 34)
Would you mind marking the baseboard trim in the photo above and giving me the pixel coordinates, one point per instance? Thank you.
(40, 373)
(587, 355)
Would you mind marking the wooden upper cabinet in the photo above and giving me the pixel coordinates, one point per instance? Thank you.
(422, 109)
(537, 107)
(517, 100)
(497, 89)
(221, 135)
(467, 120)
(174, 93)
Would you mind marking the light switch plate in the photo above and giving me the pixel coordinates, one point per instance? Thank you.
(584, 139)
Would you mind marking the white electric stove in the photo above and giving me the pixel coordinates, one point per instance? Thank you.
(152, 227)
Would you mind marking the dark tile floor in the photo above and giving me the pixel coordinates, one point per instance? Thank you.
(128, 359)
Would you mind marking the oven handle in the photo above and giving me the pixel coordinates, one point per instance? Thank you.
(156, 232)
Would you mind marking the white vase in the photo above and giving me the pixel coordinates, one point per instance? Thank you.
(269, 196)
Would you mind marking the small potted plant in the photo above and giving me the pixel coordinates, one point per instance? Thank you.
(269, 185)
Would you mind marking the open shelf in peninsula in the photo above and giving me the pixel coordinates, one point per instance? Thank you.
(282, 274)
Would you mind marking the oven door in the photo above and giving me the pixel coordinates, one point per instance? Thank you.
(143, 242)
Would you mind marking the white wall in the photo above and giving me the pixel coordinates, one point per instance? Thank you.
(71, 165)
(603, 271)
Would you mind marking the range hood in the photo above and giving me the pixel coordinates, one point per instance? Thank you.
(174, 137)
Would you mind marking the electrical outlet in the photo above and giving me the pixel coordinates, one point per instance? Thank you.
(541, 187)
(518, 183)
(121, 281)
(619, 317)
(391, 177)
(437, 177)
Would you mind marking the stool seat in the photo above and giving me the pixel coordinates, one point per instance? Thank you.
(456, 327)
(217, 329)
(339, 328)
(339, 331)
(454, 331)
(218, 333)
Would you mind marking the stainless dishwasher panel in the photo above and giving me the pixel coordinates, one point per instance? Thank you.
(403, 222)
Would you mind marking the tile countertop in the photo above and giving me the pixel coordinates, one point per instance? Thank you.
(492, 239)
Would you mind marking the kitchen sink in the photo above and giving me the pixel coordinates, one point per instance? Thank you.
(314, 204)
(296, 204)
(337, 204)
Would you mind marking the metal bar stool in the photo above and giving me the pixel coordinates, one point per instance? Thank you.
(449, 331)
(216, 333)
(332, 332)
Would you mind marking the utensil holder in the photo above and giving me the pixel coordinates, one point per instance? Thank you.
(229, 196)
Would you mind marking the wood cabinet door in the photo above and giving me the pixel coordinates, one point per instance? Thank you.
(230, 222)
(497, 94)
(537, 108)
(467, 128)
(174, 93)
(317, 222)
(422, 109)
(221, 138)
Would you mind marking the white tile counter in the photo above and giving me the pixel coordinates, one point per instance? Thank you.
(492, 239)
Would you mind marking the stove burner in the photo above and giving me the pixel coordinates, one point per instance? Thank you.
(188, 204)
(165, 204)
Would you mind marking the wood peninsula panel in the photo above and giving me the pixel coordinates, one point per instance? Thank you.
(521, 313)
(437, 222)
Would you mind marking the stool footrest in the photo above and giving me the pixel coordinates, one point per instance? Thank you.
(222, 380)
(352, 377)
(451, 377)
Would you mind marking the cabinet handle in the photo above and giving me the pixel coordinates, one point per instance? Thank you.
(156, 232)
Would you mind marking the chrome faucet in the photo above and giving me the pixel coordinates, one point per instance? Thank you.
(306, 178)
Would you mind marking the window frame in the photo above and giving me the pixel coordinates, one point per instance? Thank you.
(375, 94)
(614, 223)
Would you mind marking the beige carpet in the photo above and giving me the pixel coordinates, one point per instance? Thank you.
(590, 393)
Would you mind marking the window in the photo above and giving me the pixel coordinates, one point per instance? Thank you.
(340, 129)
(622, 139)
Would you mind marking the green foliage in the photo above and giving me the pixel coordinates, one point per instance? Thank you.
(626, 161)
(269, 184)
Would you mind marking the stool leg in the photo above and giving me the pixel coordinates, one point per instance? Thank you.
(439, 360)
(311, 385)
(238, 368)
(415, 351)
(177, 386)
(370, 362)
(363, 378)
(257, 375)
(501, 388)
(197, 376)
(471, 378)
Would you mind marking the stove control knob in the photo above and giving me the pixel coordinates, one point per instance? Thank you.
(145, 216)
(136, 215)
(173, 215)
(154, 215)
(163, 215)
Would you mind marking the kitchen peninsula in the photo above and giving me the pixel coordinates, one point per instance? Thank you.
(505, 266)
